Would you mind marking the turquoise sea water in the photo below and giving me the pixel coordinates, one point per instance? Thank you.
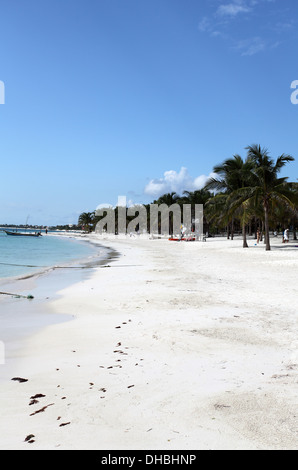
(17, 253)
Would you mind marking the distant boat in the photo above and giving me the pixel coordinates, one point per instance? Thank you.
(22, 234)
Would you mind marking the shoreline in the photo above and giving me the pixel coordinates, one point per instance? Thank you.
(45, 269)
(45, 285)
(175, 346)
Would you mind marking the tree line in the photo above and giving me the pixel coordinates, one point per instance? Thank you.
(246, 194)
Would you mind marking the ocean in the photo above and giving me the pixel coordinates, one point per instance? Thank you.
(20, 256)
(23, 257)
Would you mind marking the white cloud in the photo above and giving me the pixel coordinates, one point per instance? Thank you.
(265, 37)
(173, 181)
(233, 9)
(251, 46)
(102, 206)
(204, 25)
(207, 26)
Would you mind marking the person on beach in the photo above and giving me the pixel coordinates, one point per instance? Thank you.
(258, 236)
(286, 236)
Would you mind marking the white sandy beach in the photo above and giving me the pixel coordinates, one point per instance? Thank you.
(174, 346)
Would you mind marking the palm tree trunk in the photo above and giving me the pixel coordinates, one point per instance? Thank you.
(294, 229)
(267, 235)
(256, 227)
(245, 245)
(262, 231)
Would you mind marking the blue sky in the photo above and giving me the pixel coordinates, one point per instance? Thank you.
(137, 97)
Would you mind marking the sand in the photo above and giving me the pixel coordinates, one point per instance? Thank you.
(174, 346)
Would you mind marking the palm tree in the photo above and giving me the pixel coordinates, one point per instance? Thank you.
(200, 196)
(252, 184)
(266, 188)
(168, 199)
(215, 210)
(86, 219)
(233, 175)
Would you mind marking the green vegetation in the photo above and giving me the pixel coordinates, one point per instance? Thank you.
(246, 195)
(252, 190)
